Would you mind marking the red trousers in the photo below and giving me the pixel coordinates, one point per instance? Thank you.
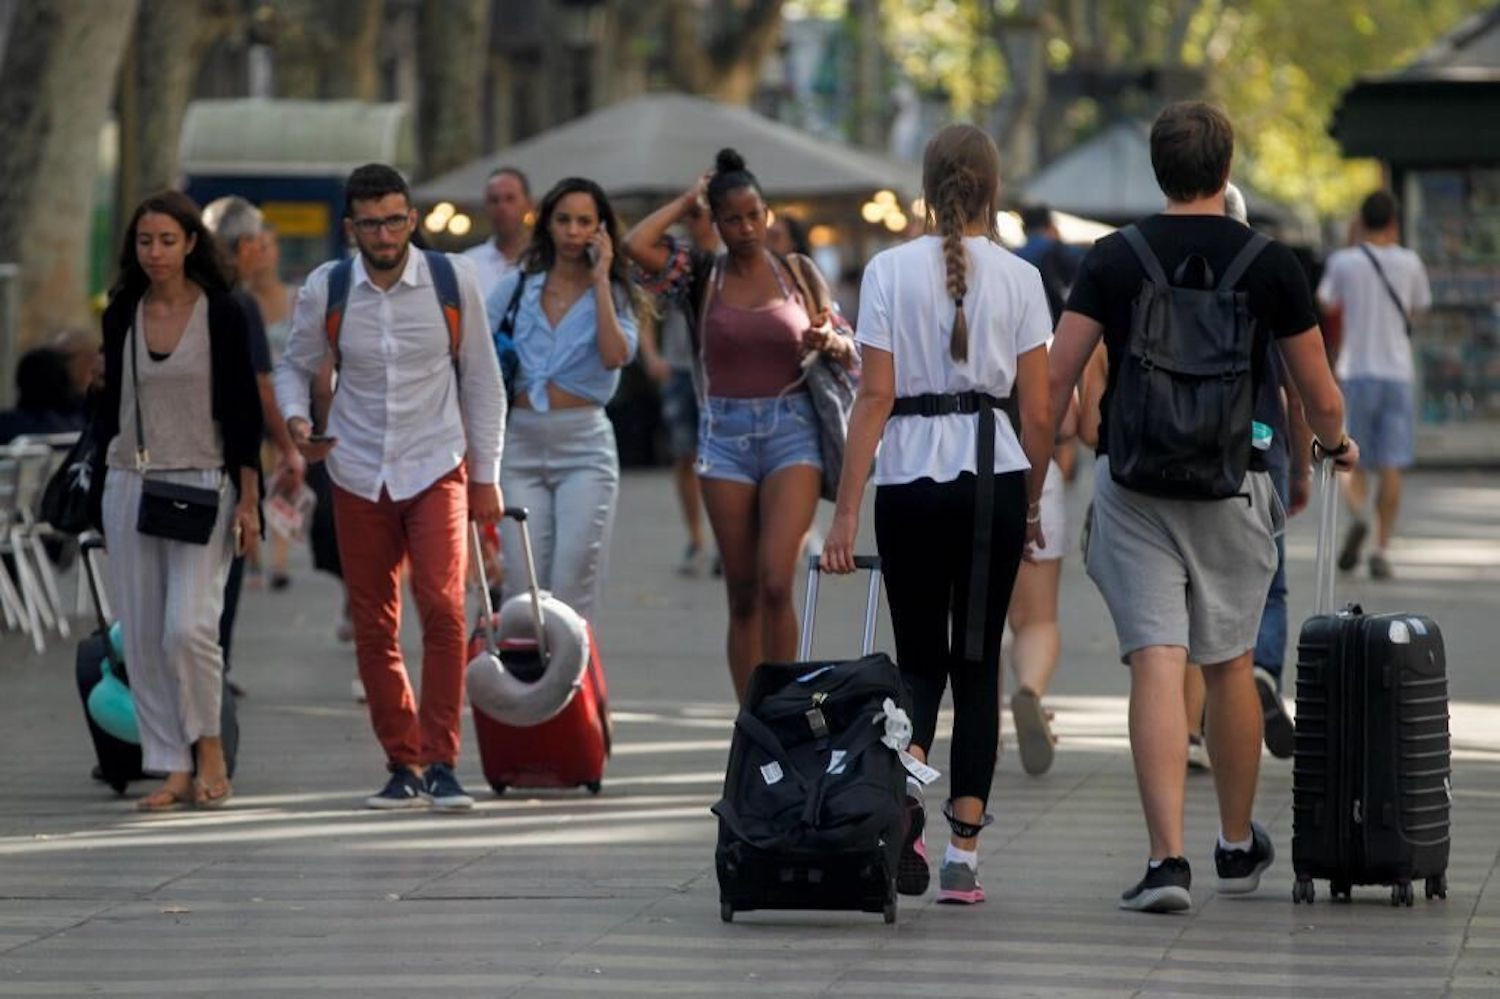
(375, 539)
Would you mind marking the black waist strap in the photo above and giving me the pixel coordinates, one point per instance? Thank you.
(933, 404)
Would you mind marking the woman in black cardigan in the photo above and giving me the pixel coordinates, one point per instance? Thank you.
(179, 407)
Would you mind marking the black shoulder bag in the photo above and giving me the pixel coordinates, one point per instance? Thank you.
(168, 510)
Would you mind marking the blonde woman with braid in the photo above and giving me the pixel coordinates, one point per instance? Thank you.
(951, 327)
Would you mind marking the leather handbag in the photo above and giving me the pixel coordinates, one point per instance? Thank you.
(168, 509)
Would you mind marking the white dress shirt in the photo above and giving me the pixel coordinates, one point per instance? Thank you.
(490, 265)
(401, 418)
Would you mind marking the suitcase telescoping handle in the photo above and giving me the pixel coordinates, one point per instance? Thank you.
(1328, 510)
(519, 515)
(89, 543)
(810, 603)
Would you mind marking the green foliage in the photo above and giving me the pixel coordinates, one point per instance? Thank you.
(1278, 66)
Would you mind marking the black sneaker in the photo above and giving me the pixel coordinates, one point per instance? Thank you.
(1281, 737)
(403, 790)
(1240, 870)
(444, 791)
(1163, 889)
(1354, 540)
(913, 873)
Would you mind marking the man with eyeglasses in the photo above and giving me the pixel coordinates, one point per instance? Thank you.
(413, 448)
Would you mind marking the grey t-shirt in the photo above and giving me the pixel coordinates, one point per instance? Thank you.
(176, 396)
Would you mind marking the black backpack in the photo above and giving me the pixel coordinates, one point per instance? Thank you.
(1182, 402)
(808, 774)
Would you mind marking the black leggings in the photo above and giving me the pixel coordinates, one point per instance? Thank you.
(925, 533)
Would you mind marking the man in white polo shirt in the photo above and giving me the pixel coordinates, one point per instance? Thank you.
(1380, 286)
(507, 202)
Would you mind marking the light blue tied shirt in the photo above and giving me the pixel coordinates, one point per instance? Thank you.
(566, 355)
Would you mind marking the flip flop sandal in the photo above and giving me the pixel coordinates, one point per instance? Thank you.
(203, 799)
(161, 800)
(1032, 732)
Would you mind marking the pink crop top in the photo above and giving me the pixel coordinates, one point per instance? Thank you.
(753, 353)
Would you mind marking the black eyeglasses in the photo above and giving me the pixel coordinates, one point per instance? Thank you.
(391, 223)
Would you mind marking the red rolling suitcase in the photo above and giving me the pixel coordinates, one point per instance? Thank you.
(1371, 792)
(567, 750)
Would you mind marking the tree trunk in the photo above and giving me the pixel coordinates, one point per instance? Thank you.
(156, 84)
(869, 104)
(55, 85)
(723, 61)
(350, 70)
(452, 42)
(1023, 44)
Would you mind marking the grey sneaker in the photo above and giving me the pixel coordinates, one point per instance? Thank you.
(958, 883)
(1380, 566)
(1033, 734)
(1280, 733)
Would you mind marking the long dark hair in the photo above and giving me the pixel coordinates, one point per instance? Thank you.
(541, 254)
(202, 266)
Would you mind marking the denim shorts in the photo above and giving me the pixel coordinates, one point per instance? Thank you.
(1379, 415)
(747, 440)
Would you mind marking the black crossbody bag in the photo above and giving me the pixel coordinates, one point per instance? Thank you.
(168, 510)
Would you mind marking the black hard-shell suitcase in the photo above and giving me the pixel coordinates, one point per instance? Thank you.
(1371, 790)
(862, 876)
(119, 761)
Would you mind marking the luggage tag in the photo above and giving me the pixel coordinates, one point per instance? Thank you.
(921, 772)
(771, 773)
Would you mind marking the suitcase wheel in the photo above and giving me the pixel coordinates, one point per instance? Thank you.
(1341, 891)
(498, 787)
(1303, 891)
(726, 912)
(1402, 893)
(1437, 886)
(594, 786)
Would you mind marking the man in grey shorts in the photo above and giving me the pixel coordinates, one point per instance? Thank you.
(1186, 578)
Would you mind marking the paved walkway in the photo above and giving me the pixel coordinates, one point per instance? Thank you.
(294, 891)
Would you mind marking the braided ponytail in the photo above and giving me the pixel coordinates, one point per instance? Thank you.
(960, 183)
(950, 219)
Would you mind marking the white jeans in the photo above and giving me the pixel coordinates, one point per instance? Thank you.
(168, 595)
(563, 467)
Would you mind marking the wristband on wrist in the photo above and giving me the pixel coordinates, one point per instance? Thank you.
(1321, 450)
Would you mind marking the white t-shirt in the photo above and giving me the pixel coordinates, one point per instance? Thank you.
(904, 308)
(1375, 341)
(490, 265)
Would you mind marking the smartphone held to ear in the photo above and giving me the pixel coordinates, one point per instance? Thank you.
(591, 254)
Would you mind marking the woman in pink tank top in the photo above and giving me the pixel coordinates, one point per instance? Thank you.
(759, 457)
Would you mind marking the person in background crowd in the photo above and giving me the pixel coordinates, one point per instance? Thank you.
(575, 328)
(952, 325)
(787, 235)
(1378, 288)
(85, 363)
(759, 456)
(413, 445)
(667, 350)
(237, 228)
(261, 277)
(45, 403)
(1289, 460)
(507, 202)
(177, 362)
(1186, 579)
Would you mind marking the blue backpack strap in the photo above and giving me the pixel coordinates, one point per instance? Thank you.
(445, 284)
(338, 299)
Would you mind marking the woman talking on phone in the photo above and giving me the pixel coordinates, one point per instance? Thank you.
(759, 454)
(571, 311)
(177, 486)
